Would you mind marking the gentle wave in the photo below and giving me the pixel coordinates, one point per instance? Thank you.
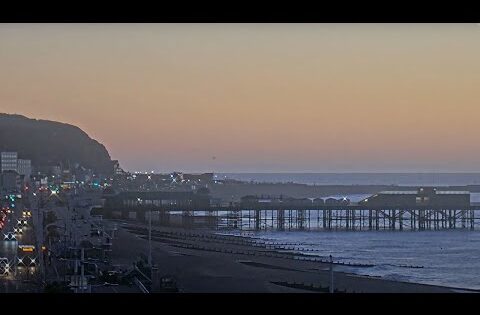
(448, 258)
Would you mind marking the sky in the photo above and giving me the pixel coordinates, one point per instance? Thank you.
(255, 97)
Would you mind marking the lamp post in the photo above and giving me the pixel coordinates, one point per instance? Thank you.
(150, 242)
(140, 201)
(331, 274)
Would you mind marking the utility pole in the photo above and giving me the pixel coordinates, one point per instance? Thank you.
(150, 242)
(65, 251)
(82, 269)
(331, 274)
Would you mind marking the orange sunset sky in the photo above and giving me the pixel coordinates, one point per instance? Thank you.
(258, 97)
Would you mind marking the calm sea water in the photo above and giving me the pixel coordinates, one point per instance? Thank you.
(405, 179)
(450, 258)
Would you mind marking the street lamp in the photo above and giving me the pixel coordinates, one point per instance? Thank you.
(139, 200)
(331, 274)
(150, 242)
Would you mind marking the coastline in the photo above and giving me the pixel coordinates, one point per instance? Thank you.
(229, 260)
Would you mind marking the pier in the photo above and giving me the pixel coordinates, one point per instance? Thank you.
(348, 218)
(311, 218)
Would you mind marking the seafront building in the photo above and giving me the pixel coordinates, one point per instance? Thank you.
(8, 161)
(423, 196)
(24, 167)
(13, 171)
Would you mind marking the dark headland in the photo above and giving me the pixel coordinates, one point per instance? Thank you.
(47, 142)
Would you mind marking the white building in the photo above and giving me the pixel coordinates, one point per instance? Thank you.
(24, 167)
(8, 161)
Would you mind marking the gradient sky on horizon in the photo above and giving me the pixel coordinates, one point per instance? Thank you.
(258, 97)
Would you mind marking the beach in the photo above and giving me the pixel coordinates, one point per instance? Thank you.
(203, 261)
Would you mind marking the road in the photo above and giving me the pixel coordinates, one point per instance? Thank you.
(22, 265)
(76, 229)
(61, 259)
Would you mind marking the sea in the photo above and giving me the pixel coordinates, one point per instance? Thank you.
(401, 179)
(447, 258)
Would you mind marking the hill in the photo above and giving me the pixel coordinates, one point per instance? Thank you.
(51, 143)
